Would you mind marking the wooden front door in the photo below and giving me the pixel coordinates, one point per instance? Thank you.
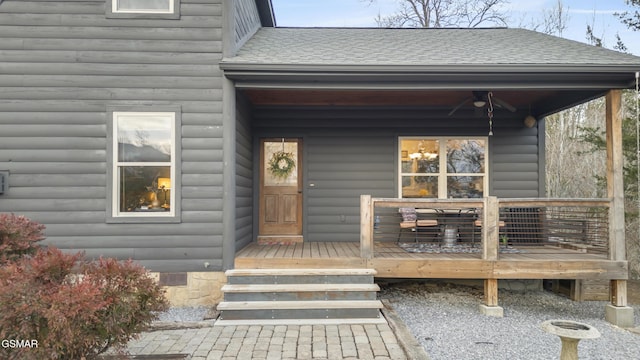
(280, 191)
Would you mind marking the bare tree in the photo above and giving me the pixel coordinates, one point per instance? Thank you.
(556, 19)
(445, 13)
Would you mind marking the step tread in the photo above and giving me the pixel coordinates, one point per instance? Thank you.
(341, 321)
(298, 272)
(252, 288)
(293, 305)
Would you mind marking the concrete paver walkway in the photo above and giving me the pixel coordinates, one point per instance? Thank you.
(368, 341)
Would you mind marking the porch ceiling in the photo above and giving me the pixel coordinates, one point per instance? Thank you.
(539, 102)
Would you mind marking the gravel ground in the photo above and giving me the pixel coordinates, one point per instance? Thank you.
(183, 314)
(445, 319)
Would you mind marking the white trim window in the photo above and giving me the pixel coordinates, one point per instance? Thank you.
(143, 6)
(443, 167)
(144, 164)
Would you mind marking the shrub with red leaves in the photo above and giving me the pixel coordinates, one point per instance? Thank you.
(18, 236)
(72, 308)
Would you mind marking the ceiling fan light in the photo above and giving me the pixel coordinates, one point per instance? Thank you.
(479, 103)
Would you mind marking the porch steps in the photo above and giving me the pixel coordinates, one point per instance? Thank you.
(296, 296)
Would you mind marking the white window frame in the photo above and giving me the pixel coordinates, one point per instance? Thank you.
(116, 165)
(442, 158)
(115, 9)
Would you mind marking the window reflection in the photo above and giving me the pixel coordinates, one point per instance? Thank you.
(465, 156)
(464, 187)
(144, 138)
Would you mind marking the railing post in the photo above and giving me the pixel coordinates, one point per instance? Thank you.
(490, 218)
(366, 227)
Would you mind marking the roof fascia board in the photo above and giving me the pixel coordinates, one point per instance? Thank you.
(418, 86)
(427, 82)
(431, 77)
(471, 68)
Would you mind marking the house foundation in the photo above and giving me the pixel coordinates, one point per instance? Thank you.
(192, 288)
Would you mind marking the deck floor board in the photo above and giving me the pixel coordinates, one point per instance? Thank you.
(392, 261)
(332, 250)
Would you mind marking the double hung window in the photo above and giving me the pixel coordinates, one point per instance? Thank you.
(143, 146)
(448, 167)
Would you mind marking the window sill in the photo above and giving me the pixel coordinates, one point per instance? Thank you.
(136, 15)
(149, 217)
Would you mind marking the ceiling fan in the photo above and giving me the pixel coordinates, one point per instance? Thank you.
(482, 99)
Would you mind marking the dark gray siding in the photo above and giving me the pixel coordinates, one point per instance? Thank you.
(342, 166)
(62, 63)
(515, 163)
(244, 175)
(349, 152)
(247, 21)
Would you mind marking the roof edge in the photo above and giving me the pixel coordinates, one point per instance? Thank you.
(229, 65)
(265, 11)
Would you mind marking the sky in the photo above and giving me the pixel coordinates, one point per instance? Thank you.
(359, 13)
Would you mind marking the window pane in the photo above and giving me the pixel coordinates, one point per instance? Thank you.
(465, 156)
(465, 186)
(144, 5)
(145, 188)
(419, 156)
(144, 138)
(419, 186)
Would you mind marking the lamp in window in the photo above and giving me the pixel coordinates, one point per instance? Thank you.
(164, 184)
(422, 153)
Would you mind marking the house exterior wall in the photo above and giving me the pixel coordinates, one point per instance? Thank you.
(244, 175)
(62, 64)
(349, 152)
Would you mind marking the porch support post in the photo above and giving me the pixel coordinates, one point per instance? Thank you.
(490, 230)
(366, 227)
(490, 306)
(615, 189)
(617, 313)
(490, 217)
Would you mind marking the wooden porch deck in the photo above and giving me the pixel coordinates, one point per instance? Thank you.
(391, 261)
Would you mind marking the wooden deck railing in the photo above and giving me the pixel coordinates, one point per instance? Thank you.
(485, 224)
(581, 224)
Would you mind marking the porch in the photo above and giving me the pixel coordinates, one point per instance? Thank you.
(517, 239)
(557, 239)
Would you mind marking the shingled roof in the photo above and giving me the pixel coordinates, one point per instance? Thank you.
(411, 47)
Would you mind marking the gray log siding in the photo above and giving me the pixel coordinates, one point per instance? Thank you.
(244, 175)
(62, 63)
(348, 154)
